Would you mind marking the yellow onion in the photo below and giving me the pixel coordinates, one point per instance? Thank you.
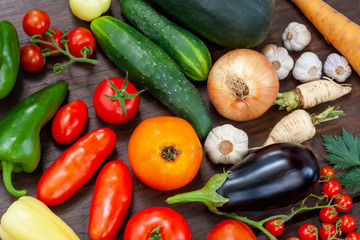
(242, 84)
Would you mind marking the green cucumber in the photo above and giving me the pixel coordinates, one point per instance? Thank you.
(187, 50)
(150, 67)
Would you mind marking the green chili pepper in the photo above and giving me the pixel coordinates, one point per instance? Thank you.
(20, 132)
(9, 57)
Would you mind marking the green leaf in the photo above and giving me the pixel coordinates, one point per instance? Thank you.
(351, 179)
(344, 151)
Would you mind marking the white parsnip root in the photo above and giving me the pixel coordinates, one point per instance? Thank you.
(312, 93)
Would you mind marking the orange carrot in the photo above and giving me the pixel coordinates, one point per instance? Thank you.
(337, 29)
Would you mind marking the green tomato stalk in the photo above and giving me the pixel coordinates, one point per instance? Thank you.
(58, 67)
(213, 201)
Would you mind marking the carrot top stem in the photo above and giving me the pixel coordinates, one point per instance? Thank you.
(329, 114)
(287, 100)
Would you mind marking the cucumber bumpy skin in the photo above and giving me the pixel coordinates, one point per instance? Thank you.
(187, 50)
(150, 67)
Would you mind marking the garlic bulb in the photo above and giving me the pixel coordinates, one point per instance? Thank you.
(337, 67)
(307, 68)
(296, 37)
(280, 59)
(226, 144)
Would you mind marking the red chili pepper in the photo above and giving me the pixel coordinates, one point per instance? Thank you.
(74, 167)
(111, 201)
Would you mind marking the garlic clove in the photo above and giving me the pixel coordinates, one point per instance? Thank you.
(280, 59)
(226, 144)
(307, 67)
(337, 67)
(296, 36)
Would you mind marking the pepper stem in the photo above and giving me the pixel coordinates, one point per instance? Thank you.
(329, 114)
(7, 168)
(287, 100)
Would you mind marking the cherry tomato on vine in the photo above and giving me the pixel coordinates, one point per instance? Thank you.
(231, 229)
(353, 236)
(345, 203)
(348, 223)
(331, 188)
(35, 22)
(155, 222)
(275, 226)
(326, 173)
(56, 34)
(69, 122)
(31, 59)
(78, 38)
(328, 215)
(327, 230)
(307, 231)
(116, 100)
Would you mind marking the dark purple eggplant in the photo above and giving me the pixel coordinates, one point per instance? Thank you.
(274, 176)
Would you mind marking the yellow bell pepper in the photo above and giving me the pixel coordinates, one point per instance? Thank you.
(30, 219)
(88, 10)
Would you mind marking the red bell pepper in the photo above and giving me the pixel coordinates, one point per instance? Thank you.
(111, 201)
(74, 167)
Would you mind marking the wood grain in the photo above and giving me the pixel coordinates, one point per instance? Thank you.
(83, 79)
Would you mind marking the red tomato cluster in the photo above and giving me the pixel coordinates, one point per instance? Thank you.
(80, 41)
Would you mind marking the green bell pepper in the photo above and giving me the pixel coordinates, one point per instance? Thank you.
(20, 132)
(9, 57)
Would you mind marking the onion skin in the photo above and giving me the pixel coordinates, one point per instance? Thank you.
(248, 71)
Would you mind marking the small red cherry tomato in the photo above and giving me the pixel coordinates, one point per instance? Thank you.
(344, 201)
(331, 188)
(327, 231)
(35, 22)
(81, 42)
(231, 229)
(116, 100)
(307, 231)
(56, 34)
(328, 215)
(326, 173)
(158, 223)
(275, 226)
(31, 59)
(348, 223)
(353, 236)
(69, 122)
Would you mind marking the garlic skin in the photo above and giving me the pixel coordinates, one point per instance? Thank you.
(337, 67)
(280, 59)
(226, 144)
(296, 36)
(307, 68)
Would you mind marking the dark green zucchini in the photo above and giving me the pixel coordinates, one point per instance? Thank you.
(187, 50)
(230, 23)
(150, 67)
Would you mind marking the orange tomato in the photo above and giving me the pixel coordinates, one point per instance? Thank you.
(165, 152)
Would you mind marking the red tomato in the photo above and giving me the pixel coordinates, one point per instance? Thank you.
(69, 122)
(328, 215)
(326, 173)
(348, 223)
(307, 231)
(331, 188)
(327, 231)
(31, 59)
(231, 229)
(353, 236)
(275, 227)
(108, 97)
(345, 203)
(56, 34)
(78, 38)
(157, 221)
(35, 22)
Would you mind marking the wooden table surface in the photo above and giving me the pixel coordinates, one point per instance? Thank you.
(83, 78)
